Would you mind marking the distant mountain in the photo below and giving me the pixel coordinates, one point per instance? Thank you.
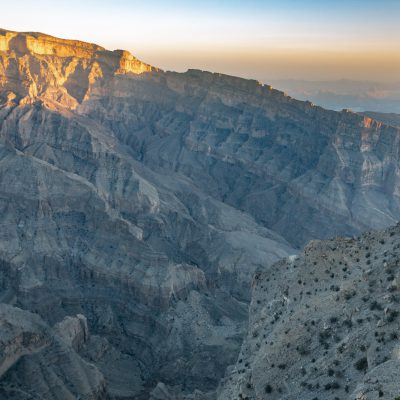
(145, 201)
(342, 94)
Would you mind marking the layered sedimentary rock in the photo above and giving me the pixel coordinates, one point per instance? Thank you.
(145, 200)
(36, 362)
(160, 269)
(34, 65)
(300, 170)
(241, 142)
(324, 325)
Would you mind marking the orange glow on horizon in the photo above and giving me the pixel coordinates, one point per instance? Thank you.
(258, 39)
(264, 64)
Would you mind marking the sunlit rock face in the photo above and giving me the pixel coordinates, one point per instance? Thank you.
(35, 65)
(387, 118)
(145, 200)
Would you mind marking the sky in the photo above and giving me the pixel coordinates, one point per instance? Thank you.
(261, 39)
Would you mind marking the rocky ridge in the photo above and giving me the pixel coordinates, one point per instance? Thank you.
(324, 324)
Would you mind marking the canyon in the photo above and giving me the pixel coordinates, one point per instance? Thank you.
(139, 206)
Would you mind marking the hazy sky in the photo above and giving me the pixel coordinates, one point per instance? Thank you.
(262, 39)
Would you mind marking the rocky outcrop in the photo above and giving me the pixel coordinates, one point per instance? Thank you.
(73, 330)
(37, 363)
(324, 324)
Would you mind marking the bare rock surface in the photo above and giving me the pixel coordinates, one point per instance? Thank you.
(38, 363)
(381, 382)
(73, 330)
(324, 325)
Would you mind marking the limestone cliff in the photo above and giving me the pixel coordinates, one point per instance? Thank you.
(36, 66)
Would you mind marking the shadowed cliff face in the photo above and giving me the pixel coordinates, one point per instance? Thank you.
(145, 200)
(298, 169)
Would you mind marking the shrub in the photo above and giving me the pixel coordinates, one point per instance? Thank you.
(268, 389)
(393, 314)
(333, 385)
(361, 364)
(375, 306)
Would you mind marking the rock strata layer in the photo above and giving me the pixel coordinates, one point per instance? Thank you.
(37, 362)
